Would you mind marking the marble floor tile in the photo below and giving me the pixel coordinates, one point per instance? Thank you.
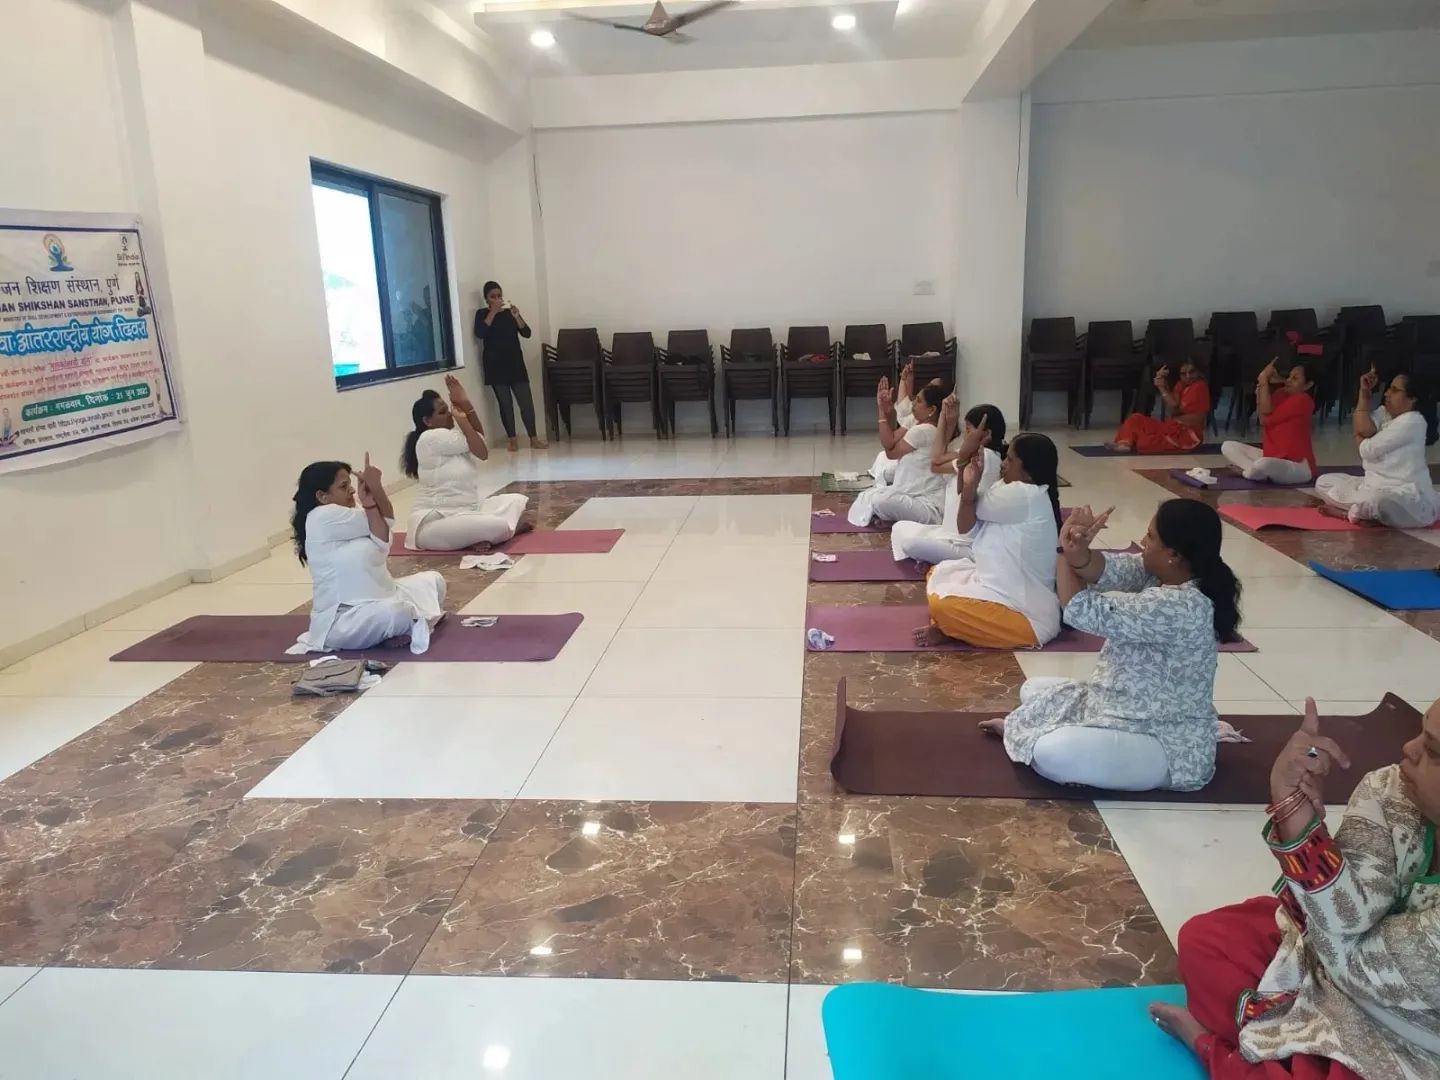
(740, 602)
(626, 890)
(603, 603)
(672, 750)
(174, 1025)
(420, 748)
(751, 519)
(1234, 680)
(443, 1028)
(31, 727)
(631, 563)
(969, 893)
(703, 558)
(653, 518)
(1345, 664)
(699, 663)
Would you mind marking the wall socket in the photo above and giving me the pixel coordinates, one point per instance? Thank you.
(927, 288)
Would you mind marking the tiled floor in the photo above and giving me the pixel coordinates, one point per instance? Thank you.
(516, 869)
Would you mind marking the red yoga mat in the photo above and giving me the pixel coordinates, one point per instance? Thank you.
(534, 542)
(259, 639)
(891, 628)
(893, 752)
(1306, 518)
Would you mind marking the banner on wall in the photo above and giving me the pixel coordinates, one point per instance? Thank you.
(82, 366)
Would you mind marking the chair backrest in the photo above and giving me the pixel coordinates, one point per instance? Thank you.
(688, 345)
(1362, 322)
(868, 338)
(1053, 337)
(1423, 332)
(633, 349)
(805, 340)
(578, 346)
(1234, 327)
(754, 344)
(1301, 320)
(1109, 338)
(923, 337)
(1170, 338)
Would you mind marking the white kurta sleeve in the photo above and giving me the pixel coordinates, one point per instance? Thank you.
(440, 443)
(1007, 504)
(336, 523)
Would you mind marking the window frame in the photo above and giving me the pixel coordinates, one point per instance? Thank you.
(372, 187)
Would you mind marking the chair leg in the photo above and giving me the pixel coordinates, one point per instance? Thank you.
(775, 410)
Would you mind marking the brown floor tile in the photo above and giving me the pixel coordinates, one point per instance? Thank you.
(660, 891)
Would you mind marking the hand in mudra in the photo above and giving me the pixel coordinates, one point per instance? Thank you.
(883, 395)
(368, 483)
(1162, 378)
(1369, 381)
(1080, 530)
(459, 399)
(1304, 762)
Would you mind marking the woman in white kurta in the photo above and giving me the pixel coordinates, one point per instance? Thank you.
(1396, 488)
(917, 494)
(936, 543)
(883, 469)
(443, 453)
(1145, 718)
(356, 603)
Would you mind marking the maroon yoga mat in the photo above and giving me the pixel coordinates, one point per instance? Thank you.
(258, 639)
(1232, 481)
(891, 628)
(839, 523)
(880, 565)
(892, 752)
(534, 542)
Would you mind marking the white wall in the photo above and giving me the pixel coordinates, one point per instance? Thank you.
(756, 223)
(1181, 180)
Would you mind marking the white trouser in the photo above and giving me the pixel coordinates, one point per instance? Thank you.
(1400, 508)
(892, 505)
(883, 469)
(1096, 757)
(419, 605)
(926, 543)
(493, 522)
(1255, 466)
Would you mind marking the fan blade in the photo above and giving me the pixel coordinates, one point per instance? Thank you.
(700, 12)
(605, 22)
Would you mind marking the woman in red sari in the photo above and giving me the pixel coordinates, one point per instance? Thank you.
(1187, 403)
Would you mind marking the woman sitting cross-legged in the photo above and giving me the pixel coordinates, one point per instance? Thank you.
(1002, 594)
(984, 436)
(902, 418)
(1145, 718)
(1338, 978)
(1187, 402)
(1285, 407)
(1396, 488)
(357, 604)
(443, 452)
(917, 494)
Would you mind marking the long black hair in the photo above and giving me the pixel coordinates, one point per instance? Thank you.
(994, 424)
(314, 478)
(1042, 464)
(1419, 388)
(1191, 529)
(419, 412)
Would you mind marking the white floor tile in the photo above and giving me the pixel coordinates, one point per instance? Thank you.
(700, 663)
(1303, 602)
(81, 667)
(442, 1027)
(31, 727)
(751, 519)
(281, 568)
(12, 979)
(219, 599)
(632, 563)
(758, 602)
(703, 558)
(157, 1025)
(1233, 681)
(603, 603)
(420, 748)
(805, 1055)
(1346, 664)
(672, 750)
(653, 517)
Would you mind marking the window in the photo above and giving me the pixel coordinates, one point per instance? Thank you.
(387, 294)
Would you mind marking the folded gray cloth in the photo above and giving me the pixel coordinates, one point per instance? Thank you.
(335, 676)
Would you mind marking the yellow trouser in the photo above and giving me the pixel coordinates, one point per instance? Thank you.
(982, 623)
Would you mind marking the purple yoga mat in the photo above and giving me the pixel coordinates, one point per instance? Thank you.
(535, 542)
(891, 628)
(1230, 481)
(880, 565)
(841, 524)
(258, 639)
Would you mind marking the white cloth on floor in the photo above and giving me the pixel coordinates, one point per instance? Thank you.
(1254, 465)
(941, 541)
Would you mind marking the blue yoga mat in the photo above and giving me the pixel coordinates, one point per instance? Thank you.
(876, 1031)
(1398, 590)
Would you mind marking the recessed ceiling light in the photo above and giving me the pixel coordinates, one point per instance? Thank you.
(590, 828)
(844, 21)
(542, 39)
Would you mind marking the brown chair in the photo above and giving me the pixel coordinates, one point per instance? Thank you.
(1357, 337)
(1301, 320)
(570, 374)
(1052, 360)
(749, 372)
(859, 378)
(801, 378)
(1233, 338)
(918, 339)
(1167, 343)
(687, 373)
(1112, 362)
(630, 377)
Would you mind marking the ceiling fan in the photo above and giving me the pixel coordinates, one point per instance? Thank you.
(661, 23)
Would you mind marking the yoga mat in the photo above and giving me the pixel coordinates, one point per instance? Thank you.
(880, 565)
(534, 542)
(841, 524)
(1398, 590)
(1105, 451)
(1231, 481)
(879, 1031)
(892, 752)
(258, 639)
(1305, 518)
(837, 482)
(891, 628)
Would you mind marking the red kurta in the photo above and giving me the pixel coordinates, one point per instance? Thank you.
(1150, 436)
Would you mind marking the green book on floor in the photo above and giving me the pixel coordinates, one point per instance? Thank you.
(846, 481)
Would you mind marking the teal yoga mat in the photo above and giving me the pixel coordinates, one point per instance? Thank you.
(1398, 590)
(876, 1031)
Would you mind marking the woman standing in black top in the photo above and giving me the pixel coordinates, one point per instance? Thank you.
(499, 327)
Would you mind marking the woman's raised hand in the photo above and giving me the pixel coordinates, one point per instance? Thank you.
(975, 440)
(369, 483)
(907, 380)
(1268, 375)
(1305, 761)
(1369, 381)
(883, 396)
(949, 413)
(1080, 530)
(1162, 378)
(459, 400)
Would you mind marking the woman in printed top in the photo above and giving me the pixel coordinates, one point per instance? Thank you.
(1396, 488)
(1187, 403)
(1285, 407)
(1339, 977)
(917, 494)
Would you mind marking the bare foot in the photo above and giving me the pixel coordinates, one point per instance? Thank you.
(995, 726)
(537, 443)
(926, 636)
(1173, 1020)
(525, 524)
(1120, 447)
(512, 445)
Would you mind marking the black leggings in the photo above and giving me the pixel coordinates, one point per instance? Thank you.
(521, 390)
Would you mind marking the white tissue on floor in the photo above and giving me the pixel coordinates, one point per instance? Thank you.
(498, 561)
